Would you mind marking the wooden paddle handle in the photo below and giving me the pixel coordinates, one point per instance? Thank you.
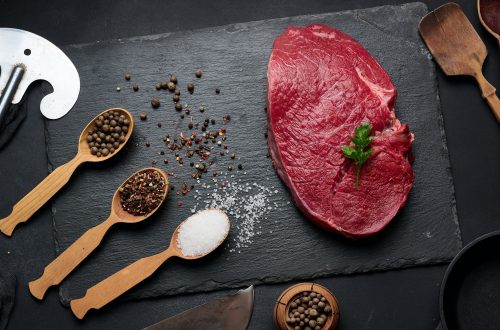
(67, 261)
(120, 282)
(489, 94)
(36, 198)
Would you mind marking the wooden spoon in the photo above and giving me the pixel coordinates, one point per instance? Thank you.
(489, 14)
(67, 261)
(457, 48)
(120, 282)
(36, 198)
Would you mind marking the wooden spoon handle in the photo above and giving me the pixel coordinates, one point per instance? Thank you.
(67, 261)
(489, 94)
(36, 198)
(120, 282)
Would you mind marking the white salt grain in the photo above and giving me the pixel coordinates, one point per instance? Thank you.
(203, 232)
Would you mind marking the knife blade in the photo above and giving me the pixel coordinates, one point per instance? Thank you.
(231, 312)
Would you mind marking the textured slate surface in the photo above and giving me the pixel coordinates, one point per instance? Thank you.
(286, 246)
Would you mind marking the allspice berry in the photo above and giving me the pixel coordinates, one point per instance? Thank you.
(155, 103)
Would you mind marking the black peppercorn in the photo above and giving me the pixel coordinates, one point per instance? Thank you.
(176, 98)
(158, 86)
(127, 77)
(217, 91)
(135, 88)
(173, 78)
(190, 88)
(198, 73)
(178, 106)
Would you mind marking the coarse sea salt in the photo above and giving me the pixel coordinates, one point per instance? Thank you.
(203, 232)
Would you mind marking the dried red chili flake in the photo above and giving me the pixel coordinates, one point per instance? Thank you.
(143, 192)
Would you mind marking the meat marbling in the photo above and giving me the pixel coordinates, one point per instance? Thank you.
(322, 84)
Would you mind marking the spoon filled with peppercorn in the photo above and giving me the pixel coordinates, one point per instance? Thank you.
(101, 139)
(134, 201)
(194, 238)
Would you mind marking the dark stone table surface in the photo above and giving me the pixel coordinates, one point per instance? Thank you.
(403, 299)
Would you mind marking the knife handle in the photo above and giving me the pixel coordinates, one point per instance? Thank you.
(120, 282)
(9, 91)
(488, 93)
(36, 198)
(67, 261)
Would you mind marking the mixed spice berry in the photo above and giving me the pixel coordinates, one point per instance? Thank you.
(143, 192)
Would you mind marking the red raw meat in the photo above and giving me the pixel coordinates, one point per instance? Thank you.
(322, 84)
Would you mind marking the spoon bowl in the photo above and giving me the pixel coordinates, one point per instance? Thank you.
(116, 205)
(174, 242)
(83, 147)
(45, 190)
(120, 282)
(489, 14)
(77, 252)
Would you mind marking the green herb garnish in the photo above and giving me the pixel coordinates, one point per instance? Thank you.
(358, 154)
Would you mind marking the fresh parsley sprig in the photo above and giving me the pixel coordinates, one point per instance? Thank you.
(358, 154)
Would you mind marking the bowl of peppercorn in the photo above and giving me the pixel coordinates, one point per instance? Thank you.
(306, 306)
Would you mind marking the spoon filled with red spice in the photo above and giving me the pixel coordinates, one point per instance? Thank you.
(134, 201)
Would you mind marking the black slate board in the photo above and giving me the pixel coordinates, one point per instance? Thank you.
(286, 246)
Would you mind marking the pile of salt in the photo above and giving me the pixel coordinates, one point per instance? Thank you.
(203, 232)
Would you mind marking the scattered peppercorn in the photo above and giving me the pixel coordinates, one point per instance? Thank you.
(143, 115)
(176, 98)
(127, 77)
(198, 73)
(240, 167)
(229, 168)
(190, 88)
(159, 125)
(173, 78)
(164, 85)
(147, 143)
(178, 106)
(135, 88)
(158, 86)
(217, 91)
(155, 103)
(171, 86)
(233, 155)
(177, 91)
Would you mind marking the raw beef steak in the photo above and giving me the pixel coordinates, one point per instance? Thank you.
(322, 84)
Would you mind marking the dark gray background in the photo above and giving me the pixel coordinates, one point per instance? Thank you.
(389, 300)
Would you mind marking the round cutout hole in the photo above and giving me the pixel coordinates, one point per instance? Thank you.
(27, 52)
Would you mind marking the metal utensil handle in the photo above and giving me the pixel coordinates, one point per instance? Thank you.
(9, 91)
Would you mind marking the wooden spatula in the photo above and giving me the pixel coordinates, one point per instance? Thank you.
(457, 48)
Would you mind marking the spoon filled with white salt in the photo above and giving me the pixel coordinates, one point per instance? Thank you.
(194, 238)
